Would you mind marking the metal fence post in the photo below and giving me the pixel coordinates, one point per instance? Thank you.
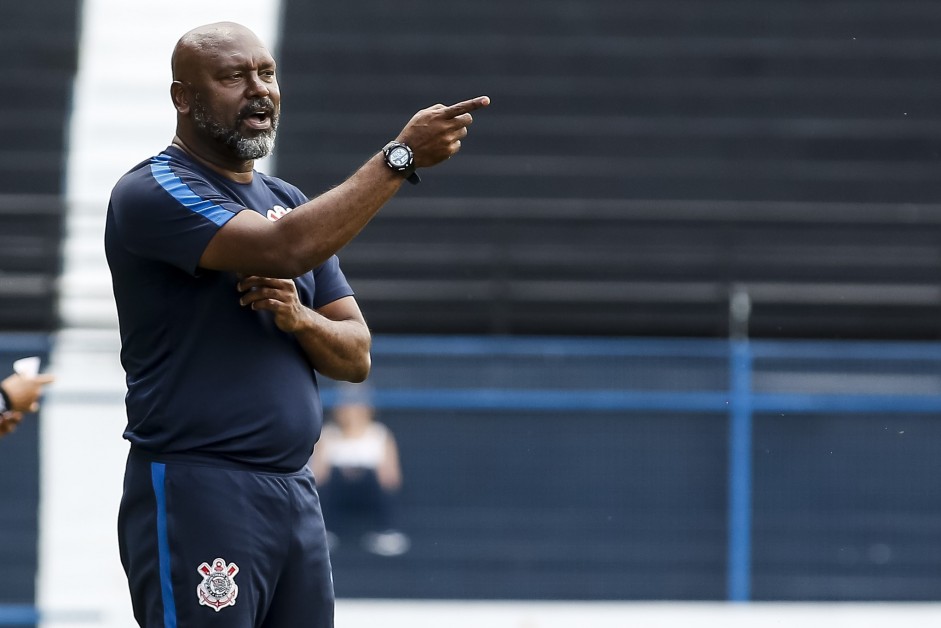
(740, 445)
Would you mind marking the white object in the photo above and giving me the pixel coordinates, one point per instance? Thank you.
(366, 451)
(27, 367)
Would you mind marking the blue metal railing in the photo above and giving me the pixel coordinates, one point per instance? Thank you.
(740, 465)
(18, 615)
(28, 615)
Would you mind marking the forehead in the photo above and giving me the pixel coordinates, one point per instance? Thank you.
(227, 48)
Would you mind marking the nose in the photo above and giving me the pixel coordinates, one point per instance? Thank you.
(257, 87)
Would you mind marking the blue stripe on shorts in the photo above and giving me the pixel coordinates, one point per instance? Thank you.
(157, 473)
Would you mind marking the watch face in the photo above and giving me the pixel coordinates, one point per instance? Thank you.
(399, 157)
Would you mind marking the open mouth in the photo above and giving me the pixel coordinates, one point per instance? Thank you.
(258, 119)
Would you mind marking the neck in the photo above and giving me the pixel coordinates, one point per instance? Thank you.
(240, 172)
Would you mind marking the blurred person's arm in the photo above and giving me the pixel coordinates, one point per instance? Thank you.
(8, 421)
(389, 471)
(320, 461)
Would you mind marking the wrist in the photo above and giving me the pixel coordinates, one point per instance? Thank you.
(400, 158)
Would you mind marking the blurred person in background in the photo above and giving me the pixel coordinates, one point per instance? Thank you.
(19, 394)
(356, 465)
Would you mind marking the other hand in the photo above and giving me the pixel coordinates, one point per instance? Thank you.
(24, 392)
(278, 296)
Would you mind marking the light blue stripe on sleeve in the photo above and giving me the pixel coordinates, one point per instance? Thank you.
(157, 474)
(167, 179)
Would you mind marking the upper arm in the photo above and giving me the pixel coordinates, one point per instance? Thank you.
(156, 215)
(242, 246)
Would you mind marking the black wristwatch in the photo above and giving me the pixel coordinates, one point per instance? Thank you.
(401, 159)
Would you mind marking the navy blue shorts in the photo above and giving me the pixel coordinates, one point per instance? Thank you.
(212, 546)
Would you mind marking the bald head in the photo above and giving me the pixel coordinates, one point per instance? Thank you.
(207, 42)
(226, 94)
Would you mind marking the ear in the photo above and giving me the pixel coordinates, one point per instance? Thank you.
(180, 97)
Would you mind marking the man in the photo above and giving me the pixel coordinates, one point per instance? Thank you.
(19, 394)
(230, 297)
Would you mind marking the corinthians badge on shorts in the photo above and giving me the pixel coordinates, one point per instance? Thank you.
(218, 588)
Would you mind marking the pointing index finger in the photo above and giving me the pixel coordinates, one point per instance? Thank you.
(466, 106)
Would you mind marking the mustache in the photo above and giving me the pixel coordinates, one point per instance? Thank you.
(257, 104)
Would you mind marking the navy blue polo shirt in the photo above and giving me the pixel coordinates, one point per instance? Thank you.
(206, 376)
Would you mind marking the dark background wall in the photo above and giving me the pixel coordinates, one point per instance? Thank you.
(632, 506)
(552, 506)
(639, 161)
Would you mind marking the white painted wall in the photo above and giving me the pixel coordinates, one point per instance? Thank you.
(389, 614)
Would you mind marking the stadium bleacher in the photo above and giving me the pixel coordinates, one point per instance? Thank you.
(41, 49)
(639, 162)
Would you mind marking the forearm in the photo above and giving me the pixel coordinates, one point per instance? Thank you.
(250, 244)
(434, 135)
(334, 337)
(319, 228)
(338, 349)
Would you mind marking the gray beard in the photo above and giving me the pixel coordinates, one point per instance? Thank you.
(243, 147)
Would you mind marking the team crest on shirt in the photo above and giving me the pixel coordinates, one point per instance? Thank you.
(218, 588)
(277, 212)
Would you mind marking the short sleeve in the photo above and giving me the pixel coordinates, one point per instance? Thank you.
(330, 283)
(169, 214)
